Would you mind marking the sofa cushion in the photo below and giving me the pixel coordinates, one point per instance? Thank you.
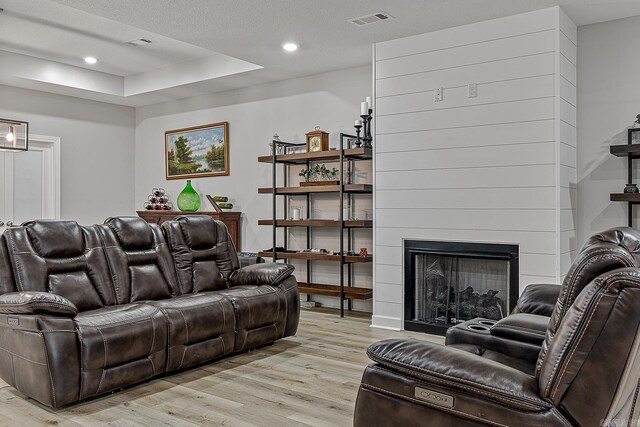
(139, 260)
(201, 328)
(56, 239)
(63, 258)
(120, 345)
(260, 313)
(202, 251)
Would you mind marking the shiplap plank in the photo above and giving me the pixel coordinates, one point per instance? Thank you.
(389, 273)
(387, 309)
(512, 176)
(568, 176)
(539, 20)
(568, 49)
(568, 113)
(568, 220)
(568, 28)
(468, 219)
(568, 241)
(568, 92)
(479, 198)
(473, 157)
(568, 134)
(568, 156)
(475, 115)
(568, 70)
(568, 198)
(494, 50)
(526, 280)
(458, 137)
(528, 241)
(488, 93)
(387, 292)
(485, 72)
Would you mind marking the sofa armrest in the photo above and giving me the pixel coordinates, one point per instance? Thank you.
(459, 370)
(261, 274)
(522, 327)
(539, 298)
(36, 303)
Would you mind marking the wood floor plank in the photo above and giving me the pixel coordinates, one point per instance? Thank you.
(308, 380)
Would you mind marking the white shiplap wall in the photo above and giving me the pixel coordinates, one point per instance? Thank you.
(485, 169)
(567, 51)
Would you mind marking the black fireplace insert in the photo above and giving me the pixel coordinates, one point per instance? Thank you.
(447, 283)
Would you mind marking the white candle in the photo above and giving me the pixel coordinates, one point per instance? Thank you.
(358, 122)
(364, 108)
(368, 101)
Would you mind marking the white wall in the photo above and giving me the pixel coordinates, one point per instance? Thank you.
(608, 101)
(97, 149)
(290, 108)
(473, 169)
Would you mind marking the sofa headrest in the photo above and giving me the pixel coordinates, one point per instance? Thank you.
(132, 232)
(56, 239)
(199, 231)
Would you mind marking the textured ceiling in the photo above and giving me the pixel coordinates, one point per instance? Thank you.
(186, 32)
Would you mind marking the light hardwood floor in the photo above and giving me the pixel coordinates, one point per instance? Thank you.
(308, 380)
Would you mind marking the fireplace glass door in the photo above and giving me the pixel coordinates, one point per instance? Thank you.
(445, 288)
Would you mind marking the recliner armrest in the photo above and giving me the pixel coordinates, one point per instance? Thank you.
(261, 274)
(539, 298)
(36, 303)
(522, 327)
(458, 369)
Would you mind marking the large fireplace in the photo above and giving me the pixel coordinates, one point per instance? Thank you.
(447, 283)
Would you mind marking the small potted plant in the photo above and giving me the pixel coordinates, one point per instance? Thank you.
(319, 175)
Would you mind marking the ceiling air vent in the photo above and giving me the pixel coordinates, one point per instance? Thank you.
(370, 19)
(139, 42)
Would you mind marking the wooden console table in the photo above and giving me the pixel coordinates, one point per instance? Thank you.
(230, 219)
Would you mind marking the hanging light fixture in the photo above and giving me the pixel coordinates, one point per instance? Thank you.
(14, 135)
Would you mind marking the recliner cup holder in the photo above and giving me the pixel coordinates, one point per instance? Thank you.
(479, 328)
(486, 322)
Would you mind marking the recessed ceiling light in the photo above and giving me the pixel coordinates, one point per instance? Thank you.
(290, 47)
(90, 60)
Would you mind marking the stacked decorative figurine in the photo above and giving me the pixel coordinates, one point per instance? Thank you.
(365, 114)
(158, 201)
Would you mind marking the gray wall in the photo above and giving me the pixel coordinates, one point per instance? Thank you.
(608, 101)
(291, 108)
(96, 149)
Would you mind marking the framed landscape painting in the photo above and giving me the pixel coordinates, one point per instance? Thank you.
(197, 151)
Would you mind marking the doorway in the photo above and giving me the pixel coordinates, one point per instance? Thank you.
(30, 182)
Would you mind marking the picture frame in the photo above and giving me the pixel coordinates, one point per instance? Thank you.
(197, 152)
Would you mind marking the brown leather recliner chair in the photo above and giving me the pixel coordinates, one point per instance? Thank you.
(517, 339)
(587, 373)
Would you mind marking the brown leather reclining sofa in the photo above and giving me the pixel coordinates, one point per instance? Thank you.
(88, 310)
(574, 363)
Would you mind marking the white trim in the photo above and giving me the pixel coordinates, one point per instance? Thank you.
(50, 187)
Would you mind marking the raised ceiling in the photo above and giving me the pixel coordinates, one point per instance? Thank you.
(201, 46)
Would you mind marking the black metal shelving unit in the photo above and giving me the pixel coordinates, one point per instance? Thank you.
(346, 157)
(632, 152)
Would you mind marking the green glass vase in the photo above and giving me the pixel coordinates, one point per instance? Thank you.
(189, 199)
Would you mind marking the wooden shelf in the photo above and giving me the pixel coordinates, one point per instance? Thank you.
(623, 150)
(334, 291)
(317, 223)
(625, 197)
(301, 158)
(314, 256)
(348, 188)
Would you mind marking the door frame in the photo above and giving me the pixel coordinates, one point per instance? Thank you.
(50, 145)
(50, 148)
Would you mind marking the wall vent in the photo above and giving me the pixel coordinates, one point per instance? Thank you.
(139, 42)
(370, 19)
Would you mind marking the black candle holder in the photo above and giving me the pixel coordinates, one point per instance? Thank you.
(366, 136)
(358, 141)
